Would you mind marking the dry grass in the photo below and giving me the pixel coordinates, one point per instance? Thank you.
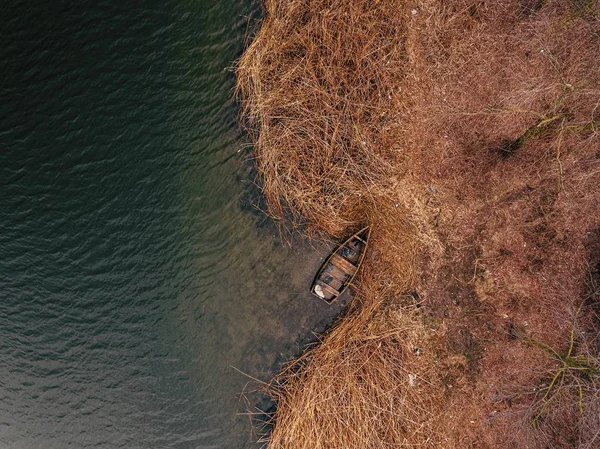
(466, 133)
(317, 104)
(326, 399)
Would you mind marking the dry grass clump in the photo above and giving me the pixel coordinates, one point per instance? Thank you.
(467, 133)
(316, 83)
(366, 385)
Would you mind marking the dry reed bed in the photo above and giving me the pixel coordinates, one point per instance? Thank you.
(317, 104)
(466, 132)
(366, 404)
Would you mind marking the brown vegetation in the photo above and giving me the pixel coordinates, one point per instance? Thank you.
(466, 133)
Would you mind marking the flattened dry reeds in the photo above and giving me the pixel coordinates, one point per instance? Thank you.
(467, 134)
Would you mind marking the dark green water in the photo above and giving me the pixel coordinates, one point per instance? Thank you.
(132, 277)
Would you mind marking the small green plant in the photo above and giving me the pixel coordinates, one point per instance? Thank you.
(573, 371)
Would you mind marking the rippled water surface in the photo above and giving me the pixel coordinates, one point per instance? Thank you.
(133, 280)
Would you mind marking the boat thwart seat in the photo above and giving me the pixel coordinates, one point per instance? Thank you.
(343, 264)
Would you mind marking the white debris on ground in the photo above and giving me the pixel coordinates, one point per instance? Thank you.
(411, 379)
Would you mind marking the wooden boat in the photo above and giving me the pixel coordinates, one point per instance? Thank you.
(341, 266)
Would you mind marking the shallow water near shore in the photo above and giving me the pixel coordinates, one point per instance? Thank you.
(135, 276)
